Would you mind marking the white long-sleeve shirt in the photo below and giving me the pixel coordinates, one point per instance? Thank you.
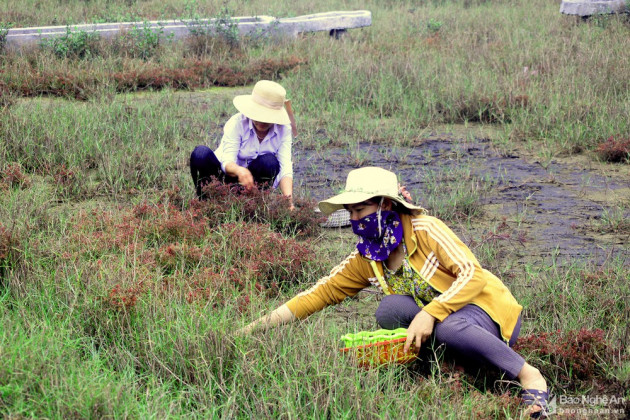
(240, 145)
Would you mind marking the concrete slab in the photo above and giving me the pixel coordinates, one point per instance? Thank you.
(333, 22)
(592, 7)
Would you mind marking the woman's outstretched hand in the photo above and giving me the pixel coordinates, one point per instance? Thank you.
(419, 330)
(282, 315)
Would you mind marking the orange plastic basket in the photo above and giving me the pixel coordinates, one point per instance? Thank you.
(378, 351)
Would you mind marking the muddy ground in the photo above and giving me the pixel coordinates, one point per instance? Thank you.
(561, 210)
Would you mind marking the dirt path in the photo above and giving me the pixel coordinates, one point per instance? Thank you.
(566, 209)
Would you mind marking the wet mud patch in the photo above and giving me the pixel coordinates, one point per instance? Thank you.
(564, 210)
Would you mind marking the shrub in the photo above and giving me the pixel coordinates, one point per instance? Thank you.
(6, 99)
(6, 240)
(13, 177)
(615, 150)
(260, 206)
(221, 26)
(572, 359)
(69, 182)
(8, 246)
(265, 257)
(33, 77)
(193, 251)
(4, 32)
(140, 42)
(434, 26)
(226, 27)
(126, 297)
(182, 256)
(202, 73)
(260, 262)
(79, 44)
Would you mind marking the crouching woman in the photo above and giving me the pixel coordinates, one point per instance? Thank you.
(433, 284)
(255, 150)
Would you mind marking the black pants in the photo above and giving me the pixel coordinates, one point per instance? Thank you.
(204, 164)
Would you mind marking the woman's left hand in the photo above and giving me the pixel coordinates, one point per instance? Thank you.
(289, 108)
(402, 190)
(419, 330)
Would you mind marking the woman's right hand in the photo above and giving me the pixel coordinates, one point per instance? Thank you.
(419, 330)
(245, 178)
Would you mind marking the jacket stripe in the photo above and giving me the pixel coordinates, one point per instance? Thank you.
(458, 257)
(430, 265)
(433, 270)
(425, 267)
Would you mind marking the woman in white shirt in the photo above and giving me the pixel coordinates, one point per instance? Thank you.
(255, 149)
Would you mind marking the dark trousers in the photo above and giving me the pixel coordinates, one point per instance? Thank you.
(204, 164)
(469, 333)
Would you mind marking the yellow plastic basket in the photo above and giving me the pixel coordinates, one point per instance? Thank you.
(377, 348)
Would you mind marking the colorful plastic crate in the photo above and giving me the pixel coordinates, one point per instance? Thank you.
(377, 348)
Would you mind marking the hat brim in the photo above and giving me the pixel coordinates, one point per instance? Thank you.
(256, 112)
(340, 200)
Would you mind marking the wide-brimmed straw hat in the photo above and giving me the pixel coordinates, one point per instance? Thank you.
(363, 184)
(265, 104)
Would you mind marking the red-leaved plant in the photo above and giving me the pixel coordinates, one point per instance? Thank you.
(259, 206)
(168, 248)
(615, 149)
(572, 359)
(12, 176)
(8, 249)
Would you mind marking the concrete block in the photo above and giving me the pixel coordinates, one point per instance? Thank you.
(329, 21)
(333, 22)
(592, 7)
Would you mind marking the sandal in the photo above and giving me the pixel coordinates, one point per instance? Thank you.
(536, 397)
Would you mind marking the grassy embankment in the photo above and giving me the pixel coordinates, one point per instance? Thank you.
(119, 295)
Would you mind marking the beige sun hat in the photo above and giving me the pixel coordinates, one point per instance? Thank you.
(363, 184)
(265, 104)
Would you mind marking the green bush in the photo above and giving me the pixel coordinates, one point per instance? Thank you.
(4, 32)
(74, 44)
(143, 42)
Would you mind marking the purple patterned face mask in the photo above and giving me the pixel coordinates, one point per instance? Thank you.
(379, 234)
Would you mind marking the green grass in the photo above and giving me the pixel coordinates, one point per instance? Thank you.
(76, 175)
(549, 78)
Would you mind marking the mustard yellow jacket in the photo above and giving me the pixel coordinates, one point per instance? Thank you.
(440, 257)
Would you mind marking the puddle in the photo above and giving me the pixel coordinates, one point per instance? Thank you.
(555, 207)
